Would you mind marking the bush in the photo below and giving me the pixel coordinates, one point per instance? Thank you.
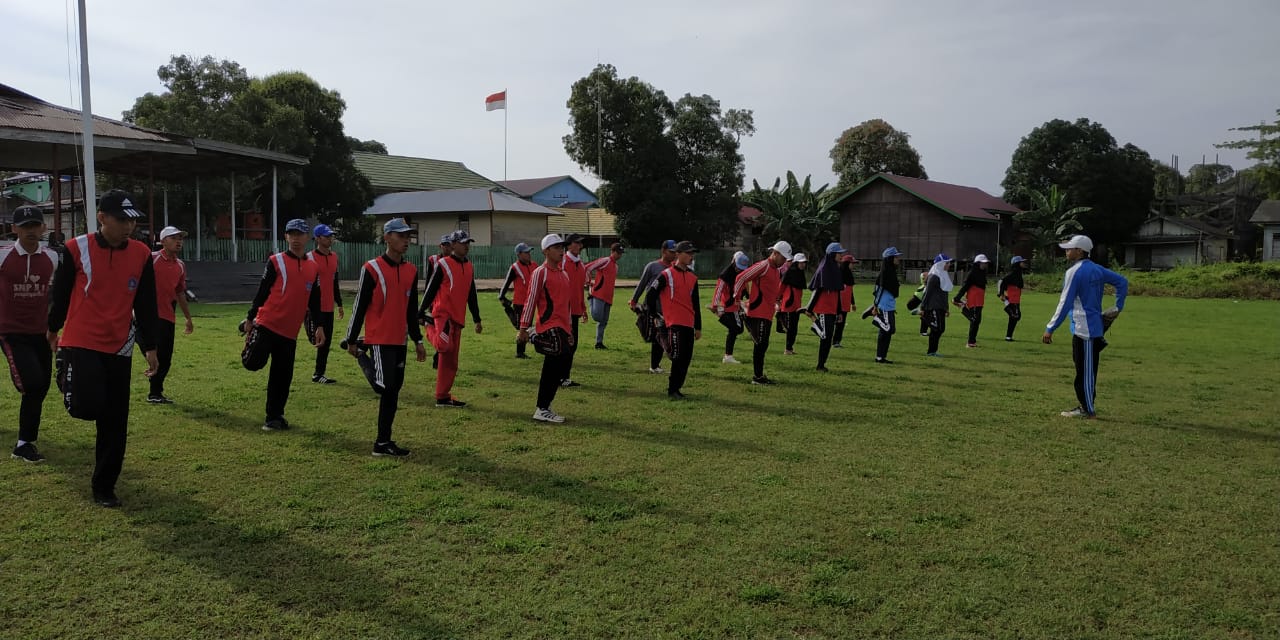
(1236, 280)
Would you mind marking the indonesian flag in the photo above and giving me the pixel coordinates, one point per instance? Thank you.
(496, 101)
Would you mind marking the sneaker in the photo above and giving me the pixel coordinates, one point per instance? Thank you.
(675, 395)
(935, 354)
(789, 352)
(823, 369)
(276, 424)
(762, 380)
(158, 399)
(729, 360)
(924, 333)
(1008, 338)
(450, 402)
(106, 499)
(318, 379)
(656, 370)
(28, 453)
(389, 449)
(837, 346)
(883, 361)
(1077, 412)
(569, 383)
(600, 345)
(547, 415)
(972, 345)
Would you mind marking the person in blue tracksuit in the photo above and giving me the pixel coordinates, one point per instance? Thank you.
(1082, 290)
(886, 302)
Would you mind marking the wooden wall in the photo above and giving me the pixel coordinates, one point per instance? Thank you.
(882, 215)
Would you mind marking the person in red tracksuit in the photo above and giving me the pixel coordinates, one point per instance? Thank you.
(677, 288)
(451, 291)
(824, 302)
(518, 283)
(791, 297)
(171, 292)
(26, 271)
(846, 299)
(577, 272)
(1011, 294)
(603, 273)
(550, 292)
(290, 288)
(972, 295)
(763, 282)
(104, 292)
(386, 308)
(726, 307)
(326, 260)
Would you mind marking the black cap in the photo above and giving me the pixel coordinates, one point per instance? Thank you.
(574, 237)
(27, 215)
(684, 246)
(119, 203)
(617, 246)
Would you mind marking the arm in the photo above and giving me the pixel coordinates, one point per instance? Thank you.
(182, 300)
(697, 311)
(364, 295)
(144, 308)
(314, 300)
(535, 290)
(1120, 283)
(473, 303)
(1069, 286)
(264, 289)
(646, 279)
(433, 288)
(651, 295)
(64, 278)
(813, 300)
(968, 282)
(337, 291)
(506, 284)
(746, 277)
(415, 331)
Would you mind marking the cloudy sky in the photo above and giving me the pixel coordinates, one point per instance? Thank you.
(966, 79)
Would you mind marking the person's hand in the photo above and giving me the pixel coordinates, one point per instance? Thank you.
(421, 351)
(697, 334)
(632, 304)
(479, 327)
(523, 336)
(52, 336)
(1047, 338)
(320, 337)
(153, 363)
(948, 314)
(354, 349)
(190, 327)
(340, 313)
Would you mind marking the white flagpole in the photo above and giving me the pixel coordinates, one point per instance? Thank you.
(86, 114)
(505, 107)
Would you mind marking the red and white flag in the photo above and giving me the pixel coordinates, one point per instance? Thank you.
(496, 101)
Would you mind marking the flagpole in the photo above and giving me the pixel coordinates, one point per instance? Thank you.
(505, 108)
(88, 184)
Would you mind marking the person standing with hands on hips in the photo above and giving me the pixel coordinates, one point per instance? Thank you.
(1082, 289)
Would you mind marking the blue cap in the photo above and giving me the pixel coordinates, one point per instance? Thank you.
(446, 238)
(1017, 259)
(742, 261)
(396, 225)
(523, 248)
(297, 224)
(460, 236)
(890, 252)
(669, 245)
(322, 230)
(835, 247)
(941, 257)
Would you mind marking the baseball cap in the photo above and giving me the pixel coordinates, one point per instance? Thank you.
(396, 225)
(669, 245)
(574, 237)
(523, 248)
(981, 257)
(617, 246)
(1017, 259)
(941, 257)
(172, 231)
(783, 247)
(1078, 242)
(119, 203)
(835, 247)
(27, 215)
(551, 240)
(741, 260)
(684, 246)
(322, 230)
(297, 224)
(446, 238)
(461, 237)
(800, 257)
(890, 252)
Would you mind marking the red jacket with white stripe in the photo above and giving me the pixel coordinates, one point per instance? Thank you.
(678, 291)
(764, 281)
(100, 291)
(290, 287)
(550, 293)
(386, 303)
(604, 273)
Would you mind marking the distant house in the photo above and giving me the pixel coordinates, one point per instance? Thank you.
(554, 191)
(1164, 242)
(1268, 215)
(391, 174)
(492, 218)
(595, 223)
(922, 218)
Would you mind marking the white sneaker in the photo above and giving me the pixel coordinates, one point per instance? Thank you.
(729, 360)
(547, 415)
(656, 370)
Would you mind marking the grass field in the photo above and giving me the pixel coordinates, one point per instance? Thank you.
(927, 499)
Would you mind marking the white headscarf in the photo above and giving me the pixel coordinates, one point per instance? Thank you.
(944, 279)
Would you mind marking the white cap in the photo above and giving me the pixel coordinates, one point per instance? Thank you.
(1078, 242)
(783, 247)
(172, 231)
(551, 240)
(981, 257)
(800, 257)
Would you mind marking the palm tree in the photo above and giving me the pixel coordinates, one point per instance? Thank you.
(796, 212)
(1050, 218)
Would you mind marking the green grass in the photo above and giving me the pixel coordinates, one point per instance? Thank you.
(931, 499)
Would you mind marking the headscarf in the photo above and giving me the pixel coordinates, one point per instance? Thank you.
(730, 273)
(794, 275)
(827, 276)
(888, 279)
(939, 269)
(977, 276)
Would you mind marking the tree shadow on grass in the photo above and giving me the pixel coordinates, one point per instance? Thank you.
(1221, 432)
(270, 563)
(665, 437)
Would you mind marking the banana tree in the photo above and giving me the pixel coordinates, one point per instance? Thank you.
(796, 212)
(1050, 218)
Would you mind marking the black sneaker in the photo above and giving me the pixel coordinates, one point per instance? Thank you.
(319, 379)
(675, 395)
(158, 399)
(883, 361)
(28, 453)
(389, 449)
(276, 424)
(450, 402)
(600, 345)
(762, 380)
(837, 346)
(822, 369)
(570, 383)
(106, 499)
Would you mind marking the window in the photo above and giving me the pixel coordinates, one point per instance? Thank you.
(464, 222)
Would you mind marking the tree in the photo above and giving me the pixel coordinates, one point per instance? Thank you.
(1083, 159)
(1050, 218)
(870, 148)
(666, 169)
(1168, 182)
(1266, 150)
(796, 212)
(369, 146)
(1205, 178)
(741, 122)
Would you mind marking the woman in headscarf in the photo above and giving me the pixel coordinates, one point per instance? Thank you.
(886, 302)
(726, 308)
(824, 302)
(972, 295)
(934, 302)
(846, 298)
(792, 299)
(1011, 294)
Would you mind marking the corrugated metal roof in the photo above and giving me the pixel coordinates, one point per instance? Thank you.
(589, 222)
(526, 187)
(403, 173)
(453, 201)
(1267, 212)
(20, 110)
(963, 202)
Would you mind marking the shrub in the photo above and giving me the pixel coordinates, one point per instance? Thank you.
(1235, 280)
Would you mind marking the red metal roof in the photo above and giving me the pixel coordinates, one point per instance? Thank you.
(960, 201)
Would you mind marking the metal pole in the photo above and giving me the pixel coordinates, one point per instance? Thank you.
(199, 227)
(275, 216)
(56, 191)
(505, 109)
(235, 248)
(164, 194)
(86, 115)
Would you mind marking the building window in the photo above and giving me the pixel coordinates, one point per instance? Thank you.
(464, 222)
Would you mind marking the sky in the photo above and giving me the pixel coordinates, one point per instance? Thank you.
(965, 79)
